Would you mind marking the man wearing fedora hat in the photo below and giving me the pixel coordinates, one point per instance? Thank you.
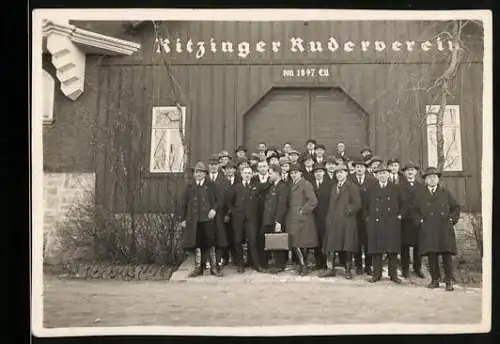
(231, 180)
(410, 187)
(285, 168)
(395, 175)
(319, 154)
(224, 158)
(366, 152)
(341, 234)
(330, 163)
(216, 176)
(300, 218)
(383, 214)
(294, 156)
(363, 180)
(322, 187)
(307, 169)
(437, 212)
(197, 210)
(240, 152)
(372, 164)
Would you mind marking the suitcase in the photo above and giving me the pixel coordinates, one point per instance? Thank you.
(276, 242)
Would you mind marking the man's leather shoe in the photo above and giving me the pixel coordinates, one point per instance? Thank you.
(241, 269)
(449, 286)
(373, 279)
(359, 270)
(433, 285)
(406, 274)
(368, 270)
(396, 280)
(348, 274)
(419, 274)
(327, 273)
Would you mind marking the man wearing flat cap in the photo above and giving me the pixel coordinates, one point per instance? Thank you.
(363, 180)
(322, 187)
(410, 187)
(384, 212)
(319, 154)
(196, 210)
(300, 218)
(341, 234)
(438, 212)
(310, 150)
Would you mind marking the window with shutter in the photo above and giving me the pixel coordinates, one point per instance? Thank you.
(167, 150)
(48, 98)
(451, 134)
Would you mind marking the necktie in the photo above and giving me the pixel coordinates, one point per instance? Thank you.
(359, 180)
(318, 184)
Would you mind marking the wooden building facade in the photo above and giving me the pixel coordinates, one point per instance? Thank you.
(321, 81)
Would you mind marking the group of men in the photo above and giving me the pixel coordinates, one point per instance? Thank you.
(360, 209)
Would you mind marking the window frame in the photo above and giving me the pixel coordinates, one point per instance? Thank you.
(154, 111)
(454, 110)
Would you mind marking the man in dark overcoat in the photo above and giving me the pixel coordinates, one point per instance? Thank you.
(197, 209)
(242, 202)
(410, 187)
(438, 212)
(241, 152)
(341, 234)
(319, 154)
(300, 218)
(274, 214)
(363, 180)
(285, 169)
(340, 152)
(216, 176)
(372, 164)
(322, 190)
(261, 181)
(383, 216)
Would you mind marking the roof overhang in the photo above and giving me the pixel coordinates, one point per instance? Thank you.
(68, 46)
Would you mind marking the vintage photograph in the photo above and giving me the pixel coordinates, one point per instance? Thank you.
(261, 172)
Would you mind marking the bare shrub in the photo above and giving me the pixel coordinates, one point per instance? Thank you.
(91, 233)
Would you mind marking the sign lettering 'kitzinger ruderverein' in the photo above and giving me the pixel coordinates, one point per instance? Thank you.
(299, 45)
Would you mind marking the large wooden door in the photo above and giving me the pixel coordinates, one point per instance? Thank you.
(279, 117)
(335, 117)
(296, 114)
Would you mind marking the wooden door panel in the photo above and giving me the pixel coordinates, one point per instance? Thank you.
(278, 118)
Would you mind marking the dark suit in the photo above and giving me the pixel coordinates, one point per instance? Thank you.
(331, 178)
(322, 193)
(275, 209)
(409, 227)
(243, 202)
(262, 187)
(309, 176)
(367, 181)
(400, 178)
(220, 188)
(322, 161)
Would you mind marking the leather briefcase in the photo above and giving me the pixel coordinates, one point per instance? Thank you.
(276, 242)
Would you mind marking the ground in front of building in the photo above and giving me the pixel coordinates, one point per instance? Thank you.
(253, 299)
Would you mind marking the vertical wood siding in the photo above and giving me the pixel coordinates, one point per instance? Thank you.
(217, 95)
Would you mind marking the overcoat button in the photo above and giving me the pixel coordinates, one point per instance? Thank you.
(388, 209)
(431, 214)
(377, 220)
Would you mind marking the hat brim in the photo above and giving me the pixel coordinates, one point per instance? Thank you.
(382, 170)
(408, 167)
(431, 173)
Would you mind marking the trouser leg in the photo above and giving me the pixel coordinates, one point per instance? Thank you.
(393, 265)
(448, 267)
(319, 257)
(342, 259)
(417, 259)
(377, 266)
(434, 266)
(405, 259)
(251, 234)
(280, 258)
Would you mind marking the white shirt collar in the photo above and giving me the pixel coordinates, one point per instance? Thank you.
(200, 183)
(383, 184)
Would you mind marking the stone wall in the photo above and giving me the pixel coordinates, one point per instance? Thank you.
(60, 192)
